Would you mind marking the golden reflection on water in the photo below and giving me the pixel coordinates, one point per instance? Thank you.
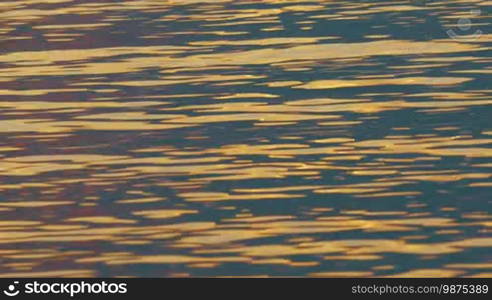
(232, 138)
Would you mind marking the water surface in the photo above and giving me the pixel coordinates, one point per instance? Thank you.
(245, 138)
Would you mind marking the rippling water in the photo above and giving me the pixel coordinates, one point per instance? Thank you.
(245, 138)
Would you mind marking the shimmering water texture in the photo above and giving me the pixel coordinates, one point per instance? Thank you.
(245, 138)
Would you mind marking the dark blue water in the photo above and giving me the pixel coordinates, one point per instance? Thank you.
(245, 138)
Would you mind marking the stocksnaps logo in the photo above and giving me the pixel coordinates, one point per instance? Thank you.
(12, 291)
